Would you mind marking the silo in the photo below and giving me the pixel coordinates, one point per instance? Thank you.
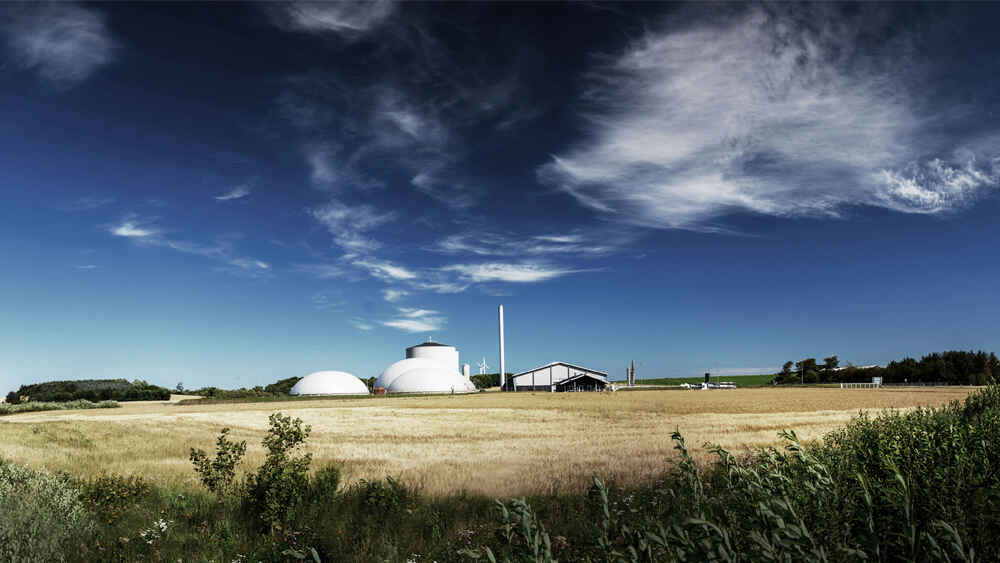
(446, 355)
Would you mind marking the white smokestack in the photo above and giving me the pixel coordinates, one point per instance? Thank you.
(503, 373)
(465, 371)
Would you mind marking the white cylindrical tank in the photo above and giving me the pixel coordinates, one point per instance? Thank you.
(441, 353)
(466, 371)
(329, 383)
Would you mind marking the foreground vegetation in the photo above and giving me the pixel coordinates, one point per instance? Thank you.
(916, 486)
(36, 406)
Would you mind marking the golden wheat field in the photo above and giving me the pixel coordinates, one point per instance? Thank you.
(489, 443)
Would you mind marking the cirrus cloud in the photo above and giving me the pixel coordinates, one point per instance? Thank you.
(62, 42)
(524, 272)
(758, 112)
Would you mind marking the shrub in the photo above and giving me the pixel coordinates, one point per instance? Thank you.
(112, 495)
(41, 515)
(218, 474)
(324, 483)
(383, 497)
(280, 485)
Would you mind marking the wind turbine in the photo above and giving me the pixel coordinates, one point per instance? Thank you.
(482, 366)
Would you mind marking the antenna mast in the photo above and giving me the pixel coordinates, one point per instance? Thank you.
(503, 374)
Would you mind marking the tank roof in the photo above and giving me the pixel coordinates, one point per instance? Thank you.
(430, 344)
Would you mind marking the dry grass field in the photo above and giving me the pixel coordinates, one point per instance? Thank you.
(490, 443)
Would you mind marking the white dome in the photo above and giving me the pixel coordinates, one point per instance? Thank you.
(329, 383)
(434, 379)
(442, 353)
(402, 366)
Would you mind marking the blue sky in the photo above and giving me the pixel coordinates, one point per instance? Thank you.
(232, 194)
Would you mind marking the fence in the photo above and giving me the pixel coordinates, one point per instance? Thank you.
(860, 385)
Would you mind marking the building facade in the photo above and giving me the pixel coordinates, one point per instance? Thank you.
(558, 376)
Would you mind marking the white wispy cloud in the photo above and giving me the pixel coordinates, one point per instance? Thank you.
(349, 19)
(133, 229)
(87, 267)
(758, 113)
(385, 270)
(936, 186)
(249, 264)
(393, 295)
(525, 272)
(349, 223)
(362, 324)
(141, 231)
(485, 243)
(236, 193)
(383, 125)
(322, 169)
(62, 42)
(447, 188)
(416, 320)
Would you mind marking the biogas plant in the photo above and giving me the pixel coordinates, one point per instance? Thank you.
(430, 367)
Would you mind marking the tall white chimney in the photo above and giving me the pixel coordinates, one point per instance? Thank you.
(465, 371)
(503, 373)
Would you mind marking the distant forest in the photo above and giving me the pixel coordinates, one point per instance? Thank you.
(954, 367)
(90, 389)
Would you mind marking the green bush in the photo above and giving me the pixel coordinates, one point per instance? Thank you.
(281, 484)
(110, 496)
(324, 483)
(41, 516)
(218, 473)
(383, 497)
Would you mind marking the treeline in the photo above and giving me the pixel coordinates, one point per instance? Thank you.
(94, 390)
(954, 367)
(487, 380)
(278, 388)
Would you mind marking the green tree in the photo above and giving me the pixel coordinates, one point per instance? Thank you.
(805, 366)
(831, 363)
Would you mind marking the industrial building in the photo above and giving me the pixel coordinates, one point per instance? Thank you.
(430, 367)
(558, 376)
(329, 383)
